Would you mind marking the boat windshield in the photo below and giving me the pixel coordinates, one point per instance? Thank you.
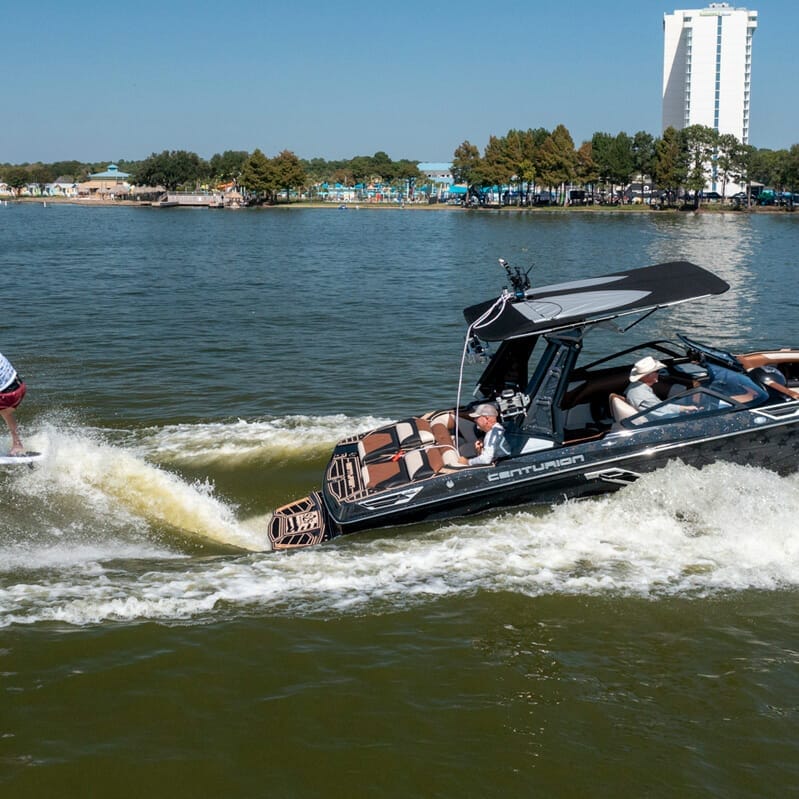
(735, 385)
(715, 354)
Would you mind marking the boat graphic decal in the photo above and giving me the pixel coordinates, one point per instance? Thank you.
(534, 468)
(392, 500)
(616, 476)
(558, 306)
(778, 413)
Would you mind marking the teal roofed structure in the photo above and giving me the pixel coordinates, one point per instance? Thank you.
(111, 173)
(112, 183)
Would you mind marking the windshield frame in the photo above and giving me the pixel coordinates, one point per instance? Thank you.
(713, 354)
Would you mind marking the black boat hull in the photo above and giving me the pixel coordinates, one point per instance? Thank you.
(766, 438)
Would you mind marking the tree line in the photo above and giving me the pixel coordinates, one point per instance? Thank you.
(678, 161)
(261, 177)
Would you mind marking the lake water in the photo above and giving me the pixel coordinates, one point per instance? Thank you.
(189, 370)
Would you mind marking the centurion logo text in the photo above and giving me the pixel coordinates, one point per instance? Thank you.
(557, 463)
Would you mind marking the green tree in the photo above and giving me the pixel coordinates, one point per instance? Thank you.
(406, 173)
(586, 171)
(743, 173)
(41, 175)
(16, 178)
(699, 145)
(792, 171)
(601, 144)
(288, 172)
(317, 169)
(466, 164)
(761, 168)
(535, 139)
(779, 170)
(520, 153)
(557, 160)
(728, 160)
(621, 160)
(171, 169)
(227, 165)
(668, 167)
(75, 170)
(497, 169)
(258, 176)
(406, 170)
(382, 167)
(362, 168)
(643, 147)
(343, 176)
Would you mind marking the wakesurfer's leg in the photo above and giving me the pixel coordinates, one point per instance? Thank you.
(11, 422)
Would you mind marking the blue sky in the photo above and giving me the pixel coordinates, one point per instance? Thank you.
(106, 81)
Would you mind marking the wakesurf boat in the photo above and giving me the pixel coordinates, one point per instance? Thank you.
(568, 427)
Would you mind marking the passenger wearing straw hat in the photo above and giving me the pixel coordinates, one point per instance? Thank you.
(640, 394)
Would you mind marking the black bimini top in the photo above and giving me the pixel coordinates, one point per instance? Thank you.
(593, 299)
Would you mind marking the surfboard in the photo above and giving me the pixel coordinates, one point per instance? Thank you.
(16, 460)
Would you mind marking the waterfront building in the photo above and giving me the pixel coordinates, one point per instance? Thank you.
(707, 67)
(63, 186)
(439, 177)
(707, 64)
(112, 183)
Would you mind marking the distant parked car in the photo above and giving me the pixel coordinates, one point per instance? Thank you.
(577, 197)
(711, 196)
(767, 197)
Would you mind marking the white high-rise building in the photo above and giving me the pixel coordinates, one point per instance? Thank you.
(707, 63)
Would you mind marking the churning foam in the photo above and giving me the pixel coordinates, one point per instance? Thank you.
(99, 481)
(96, 492)
(251, 442)
(679, 531)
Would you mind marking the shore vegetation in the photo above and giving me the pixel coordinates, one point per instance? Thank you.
(520, 168)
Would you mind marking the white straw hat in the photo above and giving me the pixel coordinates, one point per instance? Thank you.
(645, 367)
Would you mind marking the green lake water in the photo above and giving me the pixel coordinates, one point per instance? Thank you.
(189, 370)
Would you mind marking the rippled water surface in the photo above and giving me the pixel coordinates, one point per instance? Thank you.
(190, 370)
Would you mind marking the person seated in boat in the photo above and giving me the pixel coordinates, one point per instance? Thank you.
(494, 445)
(737, 386)
(641, 395)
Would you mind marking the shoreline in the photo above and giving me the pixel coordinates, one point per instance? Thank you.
(360, 206)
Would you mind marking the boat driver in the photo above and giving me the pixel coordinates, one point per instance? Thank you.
(642, 397)
(494, 445)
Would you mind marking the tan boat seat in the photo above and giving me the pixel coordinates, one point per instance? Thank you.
(620, 410)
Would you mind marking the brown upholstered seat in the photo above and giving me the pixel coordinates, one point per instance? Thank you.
(387, 441)
(416, 464)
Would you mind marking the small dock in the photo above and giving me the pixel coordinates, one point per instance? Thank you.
(190, 200)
